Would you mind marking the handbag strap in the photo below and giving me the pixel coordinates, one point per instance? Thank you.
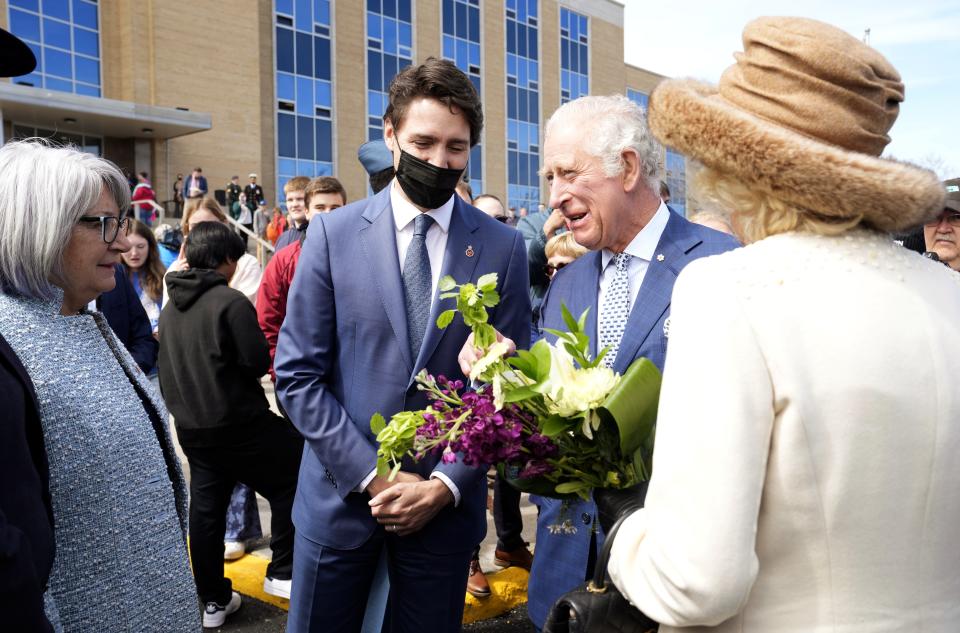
(599, 582)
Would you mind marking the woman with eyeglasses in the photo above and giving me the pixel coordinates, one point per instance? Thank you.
(117, 492)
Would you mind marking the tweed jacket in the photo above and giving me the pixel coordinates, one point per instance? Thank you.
(118, 494)
(805, 473)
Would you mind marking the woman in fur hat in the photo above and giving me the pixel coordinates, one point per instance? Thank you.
(806, 469)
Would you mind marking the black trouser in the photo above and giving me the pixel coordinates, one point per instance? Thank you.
(265, 456)
(506, 516)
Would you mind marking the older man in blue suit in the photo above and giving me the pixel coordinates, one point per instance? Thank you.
(602, 166)
(360, 325)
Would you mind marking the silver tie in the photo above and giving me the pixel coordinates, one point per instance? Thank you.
(418, 284)
(615, 309)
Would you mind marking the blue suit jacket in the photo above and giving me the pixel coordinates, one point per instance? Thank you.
(561, 561)
(343, 355)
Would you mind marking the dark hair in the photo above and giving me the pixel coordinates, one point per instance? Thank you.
(144, 174)
(664, 189)
(211, 244)
(436, 79)
(324, 184)
(381, 179)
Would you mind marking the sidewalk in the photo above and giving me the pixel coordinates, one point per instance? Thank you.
(503, 611)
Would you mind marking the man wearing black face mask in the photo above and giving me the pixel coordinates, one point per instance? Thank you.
(360, 325)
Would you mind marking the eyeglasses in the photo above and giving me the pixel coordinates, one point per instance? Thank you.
(552, 268)
(110, 226)
(952, 218)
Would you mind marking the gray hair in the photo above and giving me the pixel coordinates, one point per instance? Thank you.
(44, 189)
(613, 124)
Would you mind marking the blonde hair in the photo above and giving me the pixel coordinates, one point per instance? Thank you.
(759, 214)
(208, 203)
(297, 183)
(565, 246)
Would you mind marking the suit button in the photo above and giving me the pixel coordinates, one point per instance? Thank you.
(586, 518)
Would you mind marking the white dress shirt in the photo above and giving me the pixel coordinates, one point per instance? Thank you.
(404, 214)
(642, 248)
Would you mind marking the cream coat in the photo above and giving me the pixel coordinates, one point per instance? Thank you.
(807, 460)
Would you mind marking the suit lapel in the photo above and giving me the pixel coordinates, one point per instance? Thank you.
(461, 240)
(378, 239)
(657, 287)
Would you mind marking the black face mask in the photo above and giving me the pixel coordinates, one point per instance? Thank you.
(426, 185)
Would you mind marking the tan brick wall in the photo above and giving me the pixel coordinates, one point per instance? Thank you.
(549, 24)
(641, 79)
(427, 37)
(492, 36)
(350, 97)
(606, 58)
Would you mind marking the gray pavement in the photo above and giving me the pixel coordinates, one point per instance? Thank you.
(259, 617)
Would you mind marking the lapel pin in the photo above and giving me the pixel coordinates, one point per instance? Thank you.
(666, 328)
(469, 251)
(660, 257)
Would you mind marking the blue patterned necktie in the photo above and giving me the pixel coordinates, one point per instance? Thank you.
(616, 308)
(418, 284)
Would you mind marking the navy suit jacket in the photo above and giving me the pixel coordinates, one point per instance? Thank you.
(561, 561)
(129, 321)
(343, 355)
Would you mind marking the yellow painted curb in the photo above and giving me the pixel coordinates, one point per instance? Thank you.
(508, 588)
(247, 574)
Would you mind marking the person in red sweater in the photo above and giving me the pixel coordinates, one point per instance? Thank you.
(322, 195)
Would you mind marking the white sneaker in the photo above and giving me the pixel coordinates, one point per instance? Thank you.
(214, 614)
(277, 587)
(232, 550)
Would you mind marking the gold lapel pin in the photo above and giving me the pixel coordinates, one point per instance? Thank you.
(469, 251)
(660, 257)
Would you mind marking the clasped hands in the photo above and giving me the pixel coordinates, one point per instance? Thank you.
(406, 504)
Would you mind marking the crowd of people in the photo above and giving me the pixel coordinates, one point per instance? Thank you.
(803, 478)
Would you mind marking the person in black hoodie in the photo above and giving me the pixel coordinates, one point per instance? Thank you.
(212, 357)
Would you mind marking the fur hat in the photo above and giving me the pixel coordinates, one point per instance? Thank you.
(803, 115)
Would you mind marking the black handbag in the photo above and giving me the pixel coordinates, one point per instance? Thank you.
(597, 606)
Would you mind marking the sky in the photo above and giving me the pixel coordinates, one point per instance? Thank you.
(921, 38)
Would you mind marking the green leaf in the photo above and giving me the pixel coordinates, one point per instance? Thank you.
(572, 487)
(395, 470)
(382, 467)
(525, 363)
(449, 295)
(377, 423)
(446, 283)
(445, 318)
(572, 325)
(554, 426)
(632, 405)
(487, 282)
(491, 298)
(541, 350)
(518, 394)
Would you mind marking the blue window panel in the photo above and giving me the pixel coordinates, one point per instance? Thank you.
(303, 15)
(374, 133)
(33, 5)
(390, 36)
(305, 147)
(285, 50)
(374, 26)
(323, 94)
(460, 15)
(304, 96)
(33, 79)
(304, 51)
(532, 43)
(24, 25)
(389, 8)
(584, 85)
(389, 69)
(475, 80)
(287, 166)
(285, 6)
(474, 23)
(59, 85)
(286, 87)
(475, 55)
(305, 168)
(321, 58)
(564, 53)
(286, 135)
(463, 54)
(403, 10)
(522, 41)
(57, 63)
(56, 8)
(324, 140)
(86, 42)
(511, 102)
(512, 65)
(448, 17)
(87, 70)
(321, 12)
(374, 70)
(511, 37)
(584, 64)
(90, 91)
(373, 6)
(406, 53)
(449, 46)
(56, 33)
(524, 169)
(85, 14)
(405, 35)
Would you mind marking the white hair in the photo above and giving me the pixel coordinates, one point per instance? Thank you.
(611, 125)
(44, 189)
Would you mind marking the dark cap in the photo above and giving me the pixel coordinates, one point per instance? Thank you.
(16, 58)
(952, 200)
(375, 156)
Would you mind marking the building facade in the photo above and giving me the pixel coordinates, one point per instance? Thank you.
(294, 87)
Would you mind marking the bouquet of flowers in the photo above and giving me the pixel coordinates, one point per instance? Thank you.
(554, 421)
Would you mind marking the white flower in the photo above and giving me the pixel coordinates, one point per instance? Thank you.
(494, 353)
(572, 391)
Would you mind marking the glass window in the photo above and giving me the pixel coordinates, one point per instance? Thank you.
(56, 33)
(86, 42)
(25, 25)
(638, 97)
(56, 8)
(574, 60)
(87, 70)
(523, 104)
(57, 63)
(284, 50)
(286, 135)
(396, 39)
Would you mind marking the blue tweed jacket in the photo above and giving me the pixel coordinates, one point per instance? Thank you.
(118, 495)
